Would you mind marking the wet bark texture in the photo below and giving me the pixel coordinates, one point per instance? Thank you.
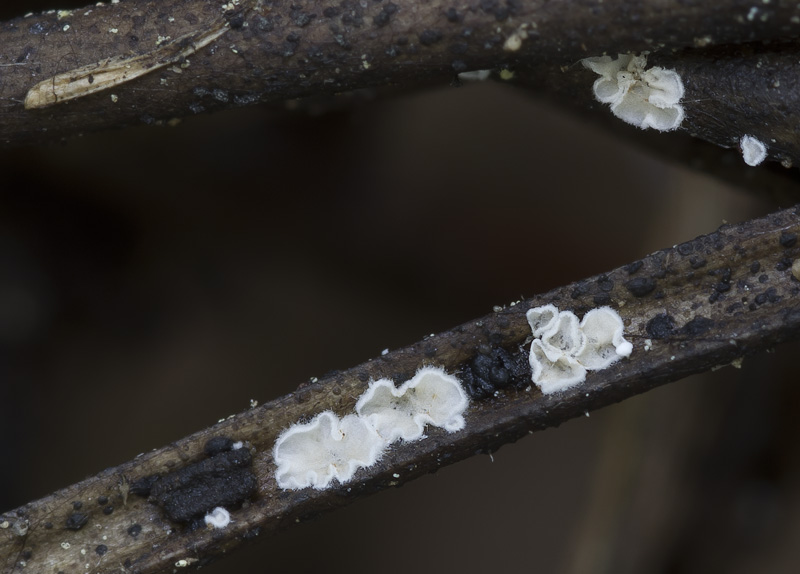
(277, 51)
(701, 304)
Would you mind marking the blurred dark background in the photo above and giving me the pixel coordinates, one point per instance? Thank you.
(155, 280)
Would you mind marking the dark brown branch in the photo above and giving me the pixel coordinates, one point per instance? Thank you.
(278, 51)
(701, 304)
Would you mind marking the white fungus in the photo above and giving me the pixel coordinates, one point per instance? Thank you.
(605, 344)
(645, 98)
(555, 372)
(431, 397)
(218, 518)
(542, 319)
(753, 150)
(563, 350)
(315, 453)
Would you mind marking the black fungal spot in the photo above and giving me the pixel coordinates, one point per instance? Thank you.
(763, 278)
(788, 239)
(108, 510)
(697, 262)
(697, 326)
(429, 37)
(783, 264)
(102, 500)
(225, 479)
(580, 290)
(661, 326)
(101, 549)
(48, 525)
(385, 15)
(491, 369)
(217, 445)
(640, 286)
(685, 248)
(27, 553)
(602, 299)
(236, 22)
(135, 530)
(76, 521)
(143, 486)
(331, 12)
(605, 284)
(352, 13)
(734, 308)
(770, 295)
(77, 505)
(755, 267)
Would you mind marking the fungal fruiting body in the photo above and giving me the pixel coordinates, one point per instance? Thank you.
(315, 453)
(218, 518)
(645, 98)
(431, 397)
(753, 150)
(563, 350)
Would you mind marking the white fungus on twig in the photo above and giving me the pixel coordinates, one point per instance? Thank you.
(326, 448)
(315, 453)
(645, 98)
(431, 397)
(754, 151)
(218, 518)
(563, 350)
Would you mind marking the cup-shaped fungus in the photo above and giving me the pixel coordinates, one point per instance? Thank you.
(430, 397)
(563, 350)
(604, 341)
(314, 453)
(554, 375)
(645, 98)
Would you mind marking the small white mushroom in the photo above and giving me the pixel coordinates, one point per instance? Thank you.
(218, 518)
(753, 150)
(645, 98)
(563, 350)
(326, 448)
(430, 397)
(604, 341)
(554, 375)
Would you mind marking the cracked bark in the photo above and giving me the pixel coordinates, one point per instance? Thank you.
(702, 304)
(276, 51)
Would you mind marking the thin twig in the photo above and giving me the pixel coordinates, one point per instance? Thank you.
(699, 305)
(273, 52)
